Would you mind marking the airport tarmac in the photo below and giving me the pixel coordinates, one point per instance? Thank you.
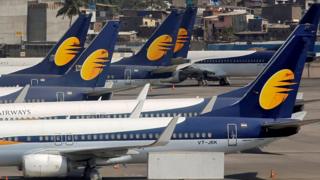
(295, 158)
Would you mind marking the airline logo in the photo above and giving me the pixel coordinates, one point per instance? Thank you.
(94, 64)
(182, 38)
(4, 142)
(159, 47)
(67, 51)
(276, 90)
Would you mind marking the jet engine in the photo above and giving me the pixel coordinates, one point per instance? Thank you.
(44, 165)
(177, 77)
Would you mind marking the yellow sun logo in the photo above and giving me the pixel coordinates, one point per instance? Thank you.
(159, 47)
(276, 89)
(94, 64)
(67, 51)
(182, 38)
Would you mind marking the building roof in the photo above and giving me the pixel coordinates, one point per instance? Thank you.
(232, 13)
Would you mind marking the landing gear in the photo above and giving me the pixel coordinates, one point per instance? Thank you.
(202, 82)
(92, 174)
(224, 82)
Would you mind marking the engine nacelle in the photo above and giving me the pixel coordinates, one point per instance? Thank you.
(177, 77)
(44, 165)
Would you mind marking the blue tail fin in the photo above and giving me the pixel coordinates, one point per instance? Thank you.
(158, 50)
(312, 17)
(185, 32)
(93, 63)
(69, 47)
(273, 93)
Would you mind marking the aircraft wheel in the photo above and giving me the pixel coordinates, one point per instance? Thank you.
(92, 174)
(224, 82)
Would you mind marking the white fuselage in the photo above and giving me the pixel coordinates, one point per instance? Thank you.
(225, 69)
(79, 109)
(42, 133)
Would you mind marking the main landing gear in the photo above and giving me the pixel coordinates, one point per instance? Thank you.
(91, 173)
(224, 82)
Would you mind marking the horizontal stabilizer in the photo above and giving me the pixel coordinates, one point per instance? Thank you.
(290, 123)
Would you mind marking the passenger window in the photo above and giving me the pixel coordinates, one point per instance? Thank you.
(106, 136)
(100, 136)
(197, 135)
(144, 136)
(83, 137)
(150, 136)
(180, 135)
(89, 137)
(137, 136)
(186, 135)
(191, 135)
(131, 136)
(125, 136)
(209, 135)
(112, 136)
(118, 136)
(203, 135)
(174, 135)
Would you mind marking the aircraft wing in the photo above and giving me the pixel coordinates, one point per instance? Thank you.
(104, 91)
(172, 68)
(85, 153)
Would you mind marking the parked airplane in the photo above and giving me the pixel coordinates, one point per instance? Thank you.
(59, 59)
(184, 107)
(86, 78)
(53, 147)
(218, 65)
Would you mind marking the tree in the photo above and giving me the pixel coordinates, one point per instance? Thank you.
(70, 8)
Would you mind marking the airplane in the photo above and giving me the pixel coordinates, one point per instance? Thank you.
(85, 80)
(218, 65)
(51, 148)
(59, 59)
(184, 107)
(74, 86)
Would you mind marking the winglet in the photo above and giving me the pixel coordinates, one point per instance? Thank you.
(21, 97)
(209, 106)
(144, 92)
(167, 133)
(141, 98)
(137, 110)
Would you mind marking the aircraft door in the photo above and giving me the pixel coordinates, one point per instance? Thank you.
(127, 76)
(60, 96)
(34, 82)
(69, 139)
(58, 140)
(232, 134)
